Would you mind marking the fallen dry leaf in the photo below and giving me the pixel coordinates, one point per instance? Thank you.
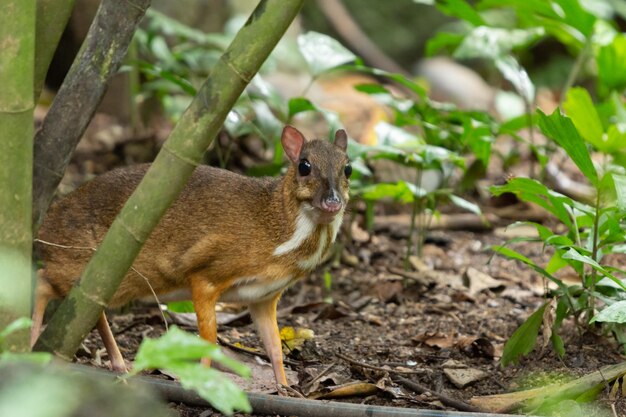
(293, 339)
(463, 377)
(351, 389)
(440, 340)
(477, 281)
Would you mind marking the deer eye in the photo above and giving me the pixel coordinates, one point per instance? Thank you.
(348, 170)
(304, 168)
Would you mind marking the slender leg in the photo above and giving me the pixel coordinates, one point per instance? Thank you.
(204, 296)
(115, 356)
(264, 316)
(43, 294)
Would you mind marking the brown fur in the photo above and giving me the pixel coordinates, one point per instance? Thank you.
(221, 228)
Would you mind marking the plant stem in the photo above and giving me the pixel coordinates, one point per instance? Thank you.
(369, 216)
(594, 256)
(573, 74)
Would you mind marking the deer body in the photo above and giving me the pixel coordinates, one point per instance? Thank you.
(227, 237)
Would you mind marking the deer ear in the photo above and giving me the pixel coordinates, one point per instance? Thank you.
(341, 139)
(292, 141)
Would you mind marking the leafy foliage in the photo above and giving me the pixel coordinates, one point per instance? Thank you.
(180, 353)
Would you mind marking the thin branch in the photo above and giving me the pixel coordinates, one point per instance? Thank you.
(73, 107)
(349, 30)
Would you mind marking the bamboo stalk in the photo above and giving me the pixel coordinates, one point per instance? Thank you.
(52, 17)
(17, 56)
(167, 176)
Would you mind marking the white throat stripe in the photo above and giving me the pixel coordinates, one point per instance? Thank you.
(305, 227)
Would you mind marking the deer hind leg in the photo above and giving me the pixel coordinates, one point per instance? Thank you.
(43, 294)
(115, 356)
(204, 296)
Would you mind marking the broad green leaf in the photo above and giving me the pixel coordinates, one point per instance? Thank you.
(492, 43)
(391, 135)
(299, 105)
(213, 386)
(615, 138)
(18, 324)
(516, 75)
(556, 263)
(40, 358)
(580, 109)
(557, 344)
(462, 10)
(524, 338)
(573, 254)
(561, 129)
(178, 346)
(400, 191)
(615, 313)
(322, 53)
(464, 204)
(443, 40)
(620, 190)
(611, 60)
(534, 192)
(181, 307)
(371, 89)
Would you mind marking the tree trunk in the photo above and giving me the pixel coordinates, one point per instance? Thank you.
(52, 17)
(73, 107)
(17, 57)
(167, 176)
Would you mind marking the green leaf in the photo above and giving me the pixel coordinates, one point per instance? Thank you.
(524, 338)
(442, 40)
(615, 313)
(323, 53)
(16, 325)
(580, 109)
(213, 386)
(620, 190)
(492, 43)
(400, 191)
(299, 105)
(40, 358)
(464, 204)
(611, 60)
(180, 352)
(557, 344)
(181, 307)
(178, 346)
(462, 10)
(516, 75)
(561, 129)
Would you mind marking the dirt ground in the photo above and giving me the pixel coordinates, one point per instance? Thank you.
(453, 314)
(441, 323)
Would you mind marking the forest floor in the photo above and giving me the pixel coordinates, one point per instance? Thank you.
(442, 323)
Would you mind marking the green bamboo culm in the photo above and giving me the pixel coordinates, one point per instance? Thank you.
(52, 17)
(17, 57)
(167, 176)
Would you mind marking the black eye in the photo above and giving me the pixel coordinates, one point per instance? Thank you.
(348, 170)
(304, 168)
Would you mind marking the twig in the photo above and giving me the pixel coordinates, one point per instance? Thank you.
(421, 389)
(263, 404)
(378, 368)
(341, 20)
(262, 355)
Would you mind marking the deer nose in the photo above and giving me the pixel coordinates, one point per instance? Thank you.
(332, 202)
